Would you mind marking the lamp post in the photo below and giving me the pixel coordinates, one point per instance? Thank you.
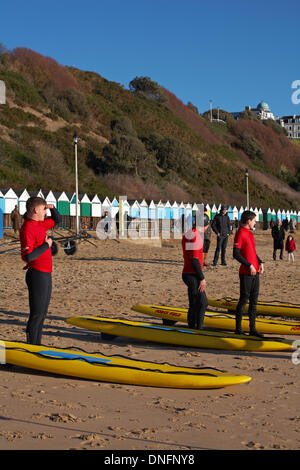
(75, 141)
(247, 187)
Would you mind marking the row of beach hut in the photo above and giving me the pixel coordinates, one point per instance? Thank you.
(93, 206)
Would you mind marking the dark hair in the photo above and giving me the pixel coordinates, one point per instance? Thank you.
(199, 222)
(246, 215)
(34, 202)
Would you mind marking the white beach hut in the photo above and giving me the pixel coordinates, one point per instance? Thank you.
(235, 213)
(51, 199)
(106, 205)
(10, 200)
(96, 206)
(23, 198)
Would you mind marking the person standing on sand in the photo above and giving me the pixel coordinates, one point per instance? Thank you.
(278, 236)
(290, 247)
(16, 219)
(36, 252)
(192, 274)
(251, 267)
(222, 228)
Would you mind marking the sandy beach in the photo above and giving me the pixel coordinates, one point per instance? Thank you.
(43, 411)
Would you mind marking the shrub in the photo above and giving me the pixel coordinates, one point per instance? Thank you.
(251, 146)
(146, 87)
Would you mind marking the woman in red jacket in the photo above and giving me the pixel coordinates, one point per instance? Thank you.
(290, 247)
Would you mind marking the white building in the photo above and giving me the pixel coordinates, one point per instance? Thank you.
(262, 110)
(291, 125)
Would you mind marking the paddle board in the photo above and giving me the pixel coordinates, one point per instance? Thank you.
(180, 336)
(263, 308)
(221, 321)
(117, 369)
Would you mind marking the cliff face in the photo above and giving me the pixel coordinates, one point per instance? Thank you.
(133, 142)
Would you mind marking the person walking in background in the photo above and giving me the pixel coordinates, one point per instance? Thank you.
(222, 228)
(278, 235)
(36, 252)
(16, 219)
(290, 247)
(251, 267)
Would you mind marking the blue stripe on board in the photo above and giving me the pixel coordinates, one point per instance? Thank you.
(64, 355)
(191, 332)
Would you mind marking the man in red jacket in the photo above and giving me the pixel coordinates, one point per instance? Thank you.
(251, 267)
(36, 252)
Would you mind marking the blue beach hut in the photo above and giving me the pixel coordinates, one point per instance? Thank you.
(160, 210)
(175, 211)
(152, 210)
(135, 210)
(144, 210)
(279, 215)
(114, 207)
(168, 210)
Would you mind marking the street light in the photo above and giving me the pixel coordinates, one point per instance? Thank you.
(247, 187)
(75, 141)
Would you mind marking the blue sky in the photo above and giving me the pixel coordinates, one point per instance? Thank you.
(235, 53)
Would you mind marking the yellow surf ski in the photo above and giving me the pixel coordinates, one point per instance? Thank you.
(117, 369)
(276, 309)
(180, 336)
(220, 321)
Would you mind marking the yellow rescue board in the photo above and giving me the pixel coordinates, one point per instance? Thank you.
(221, 321)
(180, 336)
(276, 309)
(115, 369)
